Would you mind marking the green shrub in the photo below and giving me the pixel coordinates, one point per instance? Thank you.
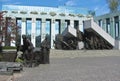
(19, 60)
(0, 57)
(9, 47)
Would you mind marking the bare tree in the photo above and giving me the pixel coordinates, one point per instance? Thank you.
(8, 29)
(1, 25)
(113, 5)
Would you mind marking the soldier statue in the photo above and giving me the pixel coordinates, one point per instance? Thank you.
(45, 47)
(27, 49)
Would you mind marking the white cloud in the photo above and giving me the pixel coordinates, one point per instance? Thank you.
(70, 3)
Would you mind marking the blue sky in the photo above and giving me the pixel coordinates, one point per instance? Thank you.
(100, 6)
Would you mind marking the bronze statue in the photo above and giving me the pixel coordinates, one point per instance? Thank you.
(45, 47)
(91, 41)
(27, 48)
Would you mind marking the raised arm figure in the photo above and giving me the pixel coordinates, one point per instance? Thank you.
(27, 48)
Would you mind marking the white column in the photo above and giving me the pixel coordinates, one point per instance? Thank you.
(112, 26)
(62, 26)
(104, 24)
(119, 27)
(52, 33)
(81, 25)
(33, 31)
(23, 29)
(117, 42)
(100, 23)
(72, 23)
(43, 29)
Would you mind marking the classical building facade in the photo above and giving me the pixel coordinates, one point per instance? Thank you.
(110, 23)
(37, 22)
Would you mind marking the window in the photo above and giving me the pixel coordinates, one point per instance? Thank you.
(100, 23)
(67, 23)
(38, 33)
(19, 25)
(48, 27)
(76, 24)
(108, 25)
(28, 28)
(57, 27)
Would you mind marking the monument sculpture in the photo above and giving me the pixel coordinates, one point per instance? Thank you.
(34, 56)
(88, 40)
(45, 50)
(27, 48)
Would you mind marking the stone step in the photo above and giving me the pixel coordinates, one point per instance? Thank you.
(90, 24)
(8, 68)
(6, 72)
(82, 53)
(9, 56)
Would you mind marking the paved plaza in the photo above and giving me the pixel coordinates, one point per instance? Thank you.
(104, 68)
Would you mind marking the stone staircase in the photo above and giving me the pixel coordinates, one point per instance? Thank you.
(69, 31)
(82, 53)
(94, 27)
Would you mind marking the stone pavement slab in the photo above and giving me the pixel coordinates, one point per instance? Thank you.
(6, 78)
(75, 69)
(83, 53)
